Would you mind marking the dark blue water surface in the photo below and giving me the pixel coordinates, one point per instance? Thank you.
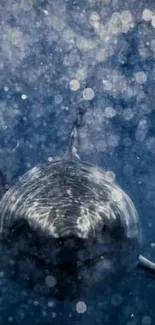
(53, 54)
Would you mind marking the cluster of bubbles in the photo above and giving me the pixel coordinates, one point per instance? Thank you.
(81, 56)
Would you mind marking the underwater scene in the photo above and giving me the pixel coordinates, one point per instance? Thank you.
(77, 162)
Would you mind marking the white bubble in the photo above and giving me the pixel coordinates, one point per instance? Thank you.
(88, 94)
(23, 96)
(81, 307)
(115, 24)
(107, 84)
(85, 44)
(6, 88)
(140, 135)
(110, 176)
(116, 195)
(153, 45)
(74, 85)
(153, 21)
(94, 17)
(44, 313)
(109, 112)
(143, 124)
(58, 99)
(128, 114)
(113, 141)
(10, 318)
(151, 144)
(50, 281)
(36, 303)
(147, 14)
(51, 303)
(146, 320)
(46, 12)
(50, 159)
(116, 300)
(101, 55)
(81, 74)
(140, 77)
(68, 35)
(126, 16)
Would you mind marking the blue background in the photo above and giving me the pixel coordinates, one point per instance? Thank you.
(108, 46)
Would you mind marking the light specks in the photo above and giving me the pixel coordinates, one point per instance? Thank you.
(94, 17)
(81, 307)
(88, 94)
(1, 274)
(84, 223)
(24, 96)
(69, 191)
(58, 99)
(110, 176)
(10, 319)
(74, 85)
(50, 281)
(113, 140)
(51, 303)
(126, 17)
(50, 159)
(147, 14)
(140, 77)
(110, 112)
(128, 114)
(6, 89)
(46, 12)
